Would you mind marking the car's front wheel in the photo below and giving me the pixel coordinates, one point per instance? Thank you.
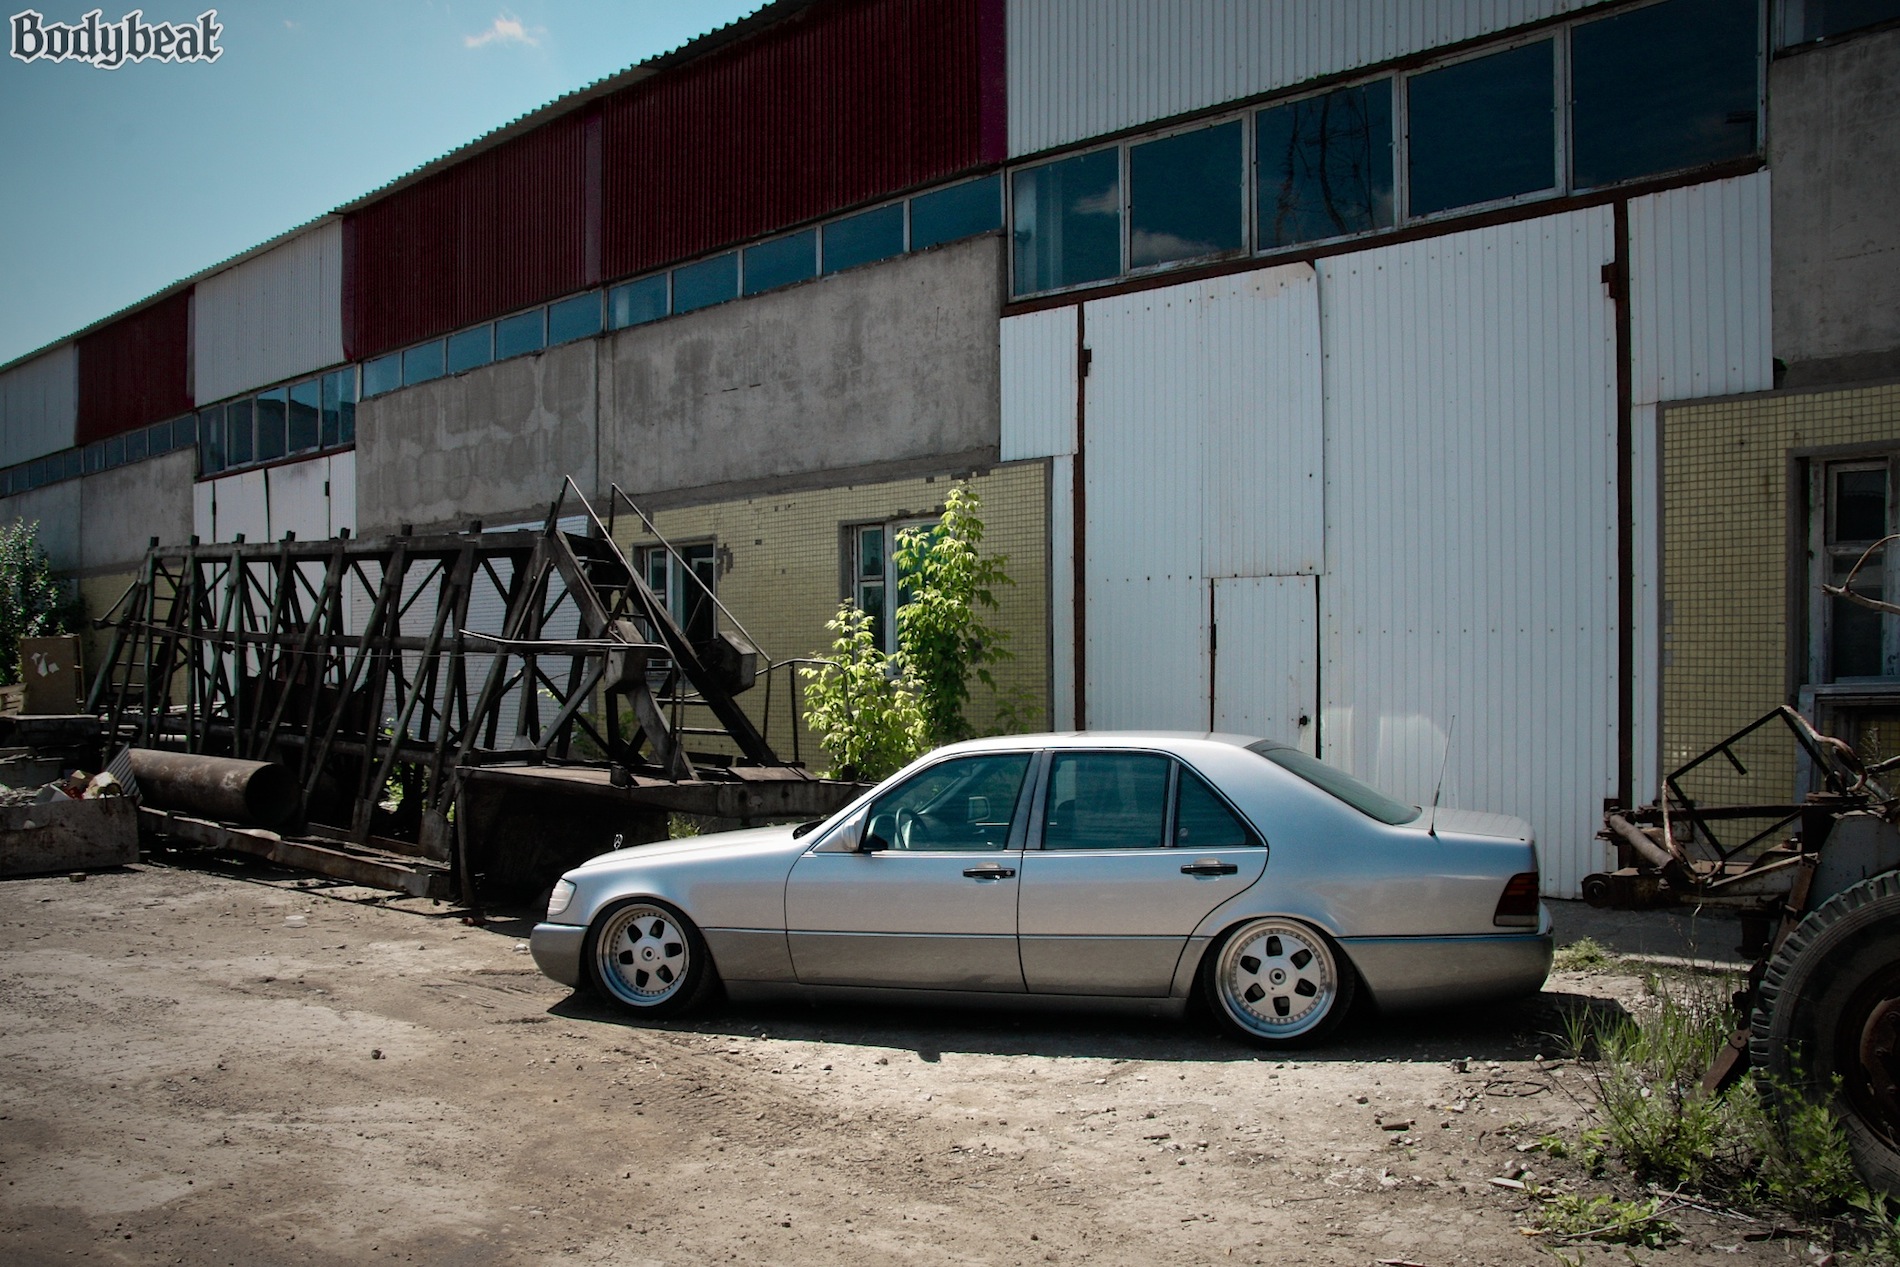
(1278, 983)
(649, 958)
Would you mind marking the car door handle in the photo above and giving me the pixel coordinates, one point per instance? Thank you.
(989, 871)
(1204, 866)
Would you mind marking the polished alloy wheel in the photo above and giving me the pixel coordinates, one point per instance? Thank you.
(643, 955)
(1276, 979)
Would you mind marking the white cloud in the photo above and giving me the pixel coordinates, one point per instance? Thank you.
(507, 29)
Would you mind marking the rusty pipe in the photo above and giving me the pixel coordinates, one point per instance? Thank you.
(255, 792)
(1656, 855)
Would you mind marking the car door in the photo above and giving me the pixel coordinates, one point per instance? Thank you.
(1135, 850)
(932, 905)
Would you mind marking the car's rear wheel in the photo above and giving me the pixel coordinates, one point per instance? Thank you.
(647, 957)
(1278, 983)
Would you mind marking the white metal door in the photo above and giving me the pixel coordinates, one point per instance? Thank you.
(1266, 657)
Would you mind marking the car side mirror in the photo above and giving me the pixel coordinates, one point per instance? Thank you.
(877, 835)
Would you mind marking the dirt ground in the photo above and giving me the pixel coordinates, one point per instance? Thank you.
(220, 1064)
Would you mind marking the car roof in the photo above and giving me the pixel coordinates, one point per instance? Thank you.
(1168, 739)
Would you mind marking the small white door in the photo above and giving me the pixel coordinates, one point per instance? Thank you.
(1266, 656)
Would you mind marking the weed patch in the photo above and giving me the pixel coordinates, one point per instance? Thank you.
(1582, 955)
(1569, 1216)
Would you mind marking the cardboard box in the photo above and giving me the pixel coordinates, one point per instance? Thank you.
(49, 668)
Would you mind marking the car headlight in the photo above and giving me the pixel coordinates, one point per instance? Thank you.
(557, 900)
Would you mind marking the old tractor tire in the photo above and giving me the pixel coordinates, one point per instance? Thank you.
(1826, 1024)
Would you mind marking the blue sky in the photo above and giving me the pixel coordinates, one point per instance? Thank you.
(118, 183)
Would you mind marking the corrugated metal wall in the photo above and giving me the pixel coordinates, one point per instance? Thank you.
(270, 318)
(1266, 657)
(1062, 593)
(136, 370)
(841, 104)
(1038, 384)
(39, 402)
(501, 230)
(1471, 525)
(1083, 70)
(1202, 458)
(315, 499)
(1700, 299)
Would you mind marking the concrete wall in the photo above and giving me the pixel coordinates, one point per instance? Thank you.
(121, 510)
(880, 364)
(1833, 148)
(56, 508)
(492, 443)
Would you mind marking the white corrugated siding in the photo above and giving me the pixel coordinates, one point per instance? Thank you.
(343, 492)
(1699, 291)
(1038, 377)
(1062, 593)
(1083, 70)
(1471, 525)
(270, 318)
(1202, 458)
(300, 499)
(204, 524)
(1699, 326)
(1266, 657)
(240, 504)
(39, 403)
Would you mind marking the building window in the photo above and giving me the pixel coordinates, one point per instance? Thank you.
(520, 334)
(471, 348)
(238, 435)
(1806, 20)
(384, 374)
(271, 408)
(575, 318)
(877, 583)
(1853, 509)
(781, 262)
(1068, 222)
(1324, 166)
(1662, 88)
(422, 364)
(305, 424)
(1482, 130)
(637, 303)
(339, 408)
(706, 283)
(958, 211)
(1187, 196)
(865, 238)
(685, 579)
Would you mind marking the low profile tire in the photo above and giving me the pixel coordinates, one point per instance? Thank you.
(647, 957)
(1278, 983)
(1826, 1024)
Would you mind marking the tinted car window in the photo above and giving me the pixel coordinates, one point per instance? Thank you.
(1203, 821)
(1368, 801)
(964, 803)
(1107, 800)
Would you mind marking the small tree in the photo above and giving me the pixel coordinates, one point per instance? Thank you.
(32, 602)
(862, 702)
(942, 635)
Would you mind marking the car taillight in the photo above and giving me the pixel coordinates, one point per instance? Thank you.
(1517, 908)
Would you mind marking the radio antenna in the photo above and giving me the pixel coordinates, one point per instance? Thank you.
(1431, 822)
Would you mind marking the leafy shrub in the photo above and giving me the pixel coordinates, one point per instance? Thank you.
(942, 635)
(862, 702)
(32, 602)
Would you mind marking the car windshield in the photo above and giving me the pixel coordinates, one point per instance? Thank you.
(1368, 801)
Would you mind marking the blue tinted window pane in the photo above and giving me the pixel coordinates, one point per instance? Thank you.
(1818, 19)
(95, 458)
(238, 436)
(471, 348)
(421, 364)
(1325, 166)
(1662, 88)
(271, 409)
(781, 262)
(135, 446)
(1068, 222)
(115, 456)
(185, 431)
(861, 239)
(576, 318)
(519, 335)
(961, 211)
(384, 374)
(1186, 196)
(210, 441)
(74, 466)
(1483, 130)
(637, 303)
(158, 438)
(706, 283)
(343, 382)
(306, 406)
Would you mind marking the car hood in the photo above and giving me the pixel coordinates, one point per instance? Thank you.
(1471, 822)
(724, 843)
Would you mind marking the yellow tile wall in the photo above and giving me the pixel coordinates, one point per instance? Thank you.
(785, 575)
(1725, 556)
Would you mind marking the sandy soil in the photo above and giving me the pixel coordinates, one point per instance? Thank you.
(205, 1065)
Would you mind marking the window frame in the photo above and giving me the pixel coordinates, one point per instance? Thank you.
(890, 582)
(1822, 552)
(1247, 182)
(673, 596)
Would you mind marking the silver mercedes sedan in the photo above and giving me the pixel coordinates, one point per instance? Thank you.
(1131, 871)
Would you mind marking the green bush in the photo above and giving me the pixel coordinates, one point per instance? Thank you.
(32, 602)
(942, 635)
(862, 703)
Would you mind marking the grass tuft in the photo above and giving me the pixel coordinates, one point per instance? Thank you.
(1582, 955)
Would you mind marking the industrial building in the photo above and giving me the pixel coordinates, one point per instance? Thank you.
(1482, 384)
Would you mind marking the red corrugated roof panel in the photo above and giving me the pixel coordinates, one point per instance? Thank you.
(134, 371)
